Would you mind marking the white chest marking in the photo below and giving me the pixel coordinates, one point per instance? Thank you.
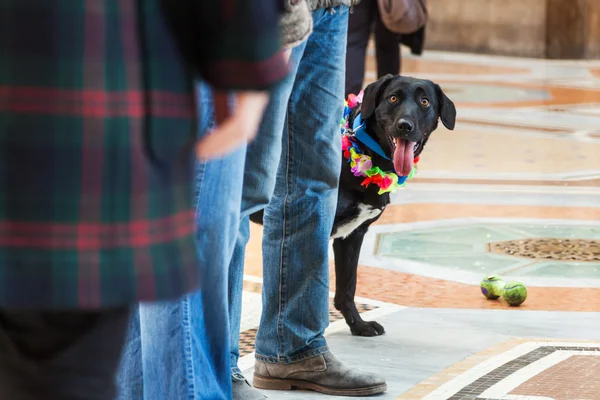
(365, 213)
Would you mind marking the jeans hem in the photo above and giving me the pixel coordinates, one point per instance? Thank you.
(297, 358)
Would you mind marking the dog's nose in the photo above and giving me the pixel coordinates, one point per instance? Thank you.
(405, 126)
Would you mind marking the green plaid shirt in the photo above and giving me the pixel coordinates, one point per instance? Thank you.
(97, 123)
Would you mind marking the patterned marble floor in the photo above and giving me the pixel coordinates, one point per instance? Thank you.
(514, 190)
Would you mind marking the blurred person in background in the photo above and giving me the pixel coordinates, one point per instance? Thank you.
(97, 131)
(180, 349)
(394, 22)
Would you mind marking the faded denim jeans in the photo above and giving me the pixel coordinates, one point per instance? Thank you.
(180, 350)
(292, 169)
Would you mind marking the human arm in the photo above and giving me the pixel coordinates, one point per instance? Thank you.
(232, 44)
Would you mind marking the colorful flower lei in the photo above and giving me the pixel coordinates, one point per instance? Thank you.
(353, 101)
(361, 164)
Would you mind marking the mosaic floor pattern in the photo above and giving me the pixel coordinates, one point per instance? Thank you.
(581, 250)
(518, 249)
(519, 370)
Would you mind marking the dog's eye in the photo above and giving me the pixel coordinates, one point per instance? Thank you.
(393, 99)
(425, 102)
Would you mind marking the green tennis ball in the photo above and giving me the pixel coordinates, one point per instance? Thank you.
(515, 293)
(492, 286)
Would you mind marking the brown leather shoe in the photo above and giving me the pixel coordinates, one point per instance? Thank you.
(324, 374)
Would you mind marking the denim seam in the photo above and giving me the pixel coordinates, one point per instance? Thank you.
(187, 348)
(283, 240)
(297, 358)
(200, 172)
(185, 304)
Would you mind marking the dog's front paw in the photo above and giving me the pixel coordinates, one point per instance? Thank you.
(366, 328)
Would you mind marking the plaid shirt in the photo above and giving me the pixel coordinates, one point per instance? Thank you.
(97, 122)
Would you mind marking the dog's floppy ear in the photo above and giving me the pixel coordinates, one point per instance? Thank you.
(446, 110)
(372, 95)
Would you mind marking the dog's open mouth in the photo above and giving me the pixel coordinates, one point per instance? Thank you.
(404, 155)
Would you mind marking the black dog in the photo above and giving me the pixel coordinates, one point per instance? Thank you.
(399, 113)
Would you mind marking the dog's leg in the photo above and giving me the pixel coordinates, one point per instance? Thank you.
(346, 264)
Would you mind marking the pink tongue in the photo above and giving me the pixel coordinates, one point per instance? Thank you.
(404, 156)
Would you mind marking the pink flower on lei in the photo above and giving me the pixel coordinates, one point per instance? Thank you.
(354, 100)
(346, 143)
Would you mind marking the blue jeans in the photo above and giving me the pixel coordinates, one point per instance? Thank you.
(300, 135)
(180, 350)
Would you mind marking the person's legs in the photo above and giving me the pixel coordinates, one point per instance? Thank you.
(290, 346)
(183, 347)
(299, 217)
(60, 355)
(262, 159)
(359, 30)
(387, 49)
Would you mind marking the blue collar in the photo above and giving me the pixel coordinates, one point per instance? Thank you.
(360, 133)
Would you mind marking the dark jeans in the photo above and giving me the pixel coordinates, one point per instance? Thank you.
(60, 355)
(387, 46)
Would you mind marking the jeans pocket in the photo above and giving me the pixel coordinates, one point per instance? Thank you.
(332, 12)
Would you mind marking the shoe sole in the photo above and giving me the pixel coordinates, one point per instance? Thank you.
(266, 383)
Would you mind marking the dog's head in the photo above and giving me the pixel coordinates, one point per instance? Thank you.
(401, 113)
